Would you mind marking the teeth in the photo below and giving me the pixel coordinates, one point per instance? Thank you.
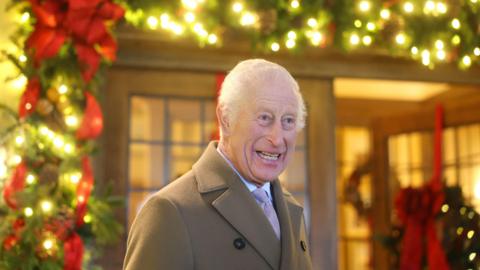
(268, 156)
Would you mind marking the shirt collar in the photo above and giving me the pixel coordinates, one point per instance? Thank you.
(250, 186)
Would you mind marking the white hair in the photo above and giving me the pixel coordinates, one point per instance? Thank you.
(247, 75)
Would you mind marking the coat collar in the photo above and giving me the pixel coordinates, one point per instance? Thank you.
(238, 207)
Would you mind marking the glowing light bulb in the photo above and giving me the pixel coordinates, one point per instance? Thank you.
(456, 40)
(476, 52)
(25, 17)
(19, 140)
(439, 45)
(16, 159)
(275, 46)
(190, 4)
(48, 244)
(456, 23)
(212, 38)
(28, 212)
(247, 19)
(63, 89)
(290, 43)
(357, 23)
(68, 148)
(22, 58)
(295, 4)
(459, 230)
(371, 26)
(472, 256)
(364, 6)
(46, 206)
(75, 178)
(474, 1)
(292, 35)
(466, 60)
(426, 57)
(58, 142)
(441, 8)
(87, 218)
(165, 21)
(354, 39)
(429, 6)
(312, 22)
(445, 208)
(177, 28)
(152, 22)
(71, 121)
(30, 179)
(385, 14)
(367, 40)
(19, 83)
(470, 234)
(189, 17)
(316, 38)
(400, 38)
(237, 7)
(81, 199)
(408, 7)
(441, 55)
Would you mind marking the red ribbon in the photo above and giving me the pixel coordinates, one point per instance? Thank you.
(73, 252)
(16, 184)
(417, 209)
(84, 189)
(29, 98)
(82, 21)
(92, 122)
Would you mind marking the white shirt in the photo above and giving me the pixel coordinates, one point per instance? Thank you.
(250, 186)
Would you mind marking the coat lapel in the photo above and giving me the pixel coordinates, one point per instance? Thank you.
(236, 205)
(289, 214)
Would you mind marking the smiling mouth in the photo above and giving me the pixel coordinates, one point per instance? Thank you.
(268, 156)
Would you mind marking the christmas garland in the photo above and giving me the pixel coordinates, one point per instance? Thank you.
(52, 217)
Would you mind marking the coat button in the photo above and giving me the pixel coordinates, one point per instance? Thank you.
(303, 245)
(239, 243)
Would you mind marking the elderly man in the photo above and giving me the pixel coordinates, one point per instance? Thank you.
(230, 211)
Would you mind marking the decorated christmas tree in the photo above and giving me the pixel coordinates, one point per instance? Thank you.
(53, 215)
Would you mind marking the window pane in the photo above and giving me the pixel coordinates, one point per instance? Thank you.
(146, 166)
(210, 128)
(185, 120)
(135, 203)
(147, 118)
(182, 159)
(294, 175)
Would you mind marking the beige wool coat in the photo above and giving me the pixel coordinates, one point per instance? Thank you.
(208, 220)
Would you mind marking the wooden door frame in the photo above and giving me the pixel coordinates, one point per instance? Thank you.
(458, 112)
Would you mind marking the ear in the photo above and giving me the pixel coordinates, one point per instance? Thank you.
(225, 125)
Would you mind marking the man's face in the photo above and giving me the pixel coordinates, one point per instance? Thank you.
(262, 138)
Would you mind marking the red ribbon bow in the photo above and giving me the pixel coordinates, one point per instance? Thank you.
(417, 209)
(16, 183)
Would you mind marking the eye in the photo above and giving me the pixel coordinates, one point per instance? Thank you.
(265, 119)
(288, 122)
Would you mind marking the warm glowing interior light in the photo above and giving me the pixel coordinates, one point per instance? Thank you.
(472, 256)
(476, 51)
(441, 55)
(71, 121)
(357, 23)
(16, 159)
(429, 6)
(385, 14)
(364, 6)
(58, 142)
(456, 40)
(275, 46)
(292, 35)
(426, 57)
(237, 7)
(441, 8)
(87, 218)
(19, 83)
(22, 58)
(24, 18)
(75, 178)
(190, 4)
(68, 148)
(408, 7)
(470, 234)
(439, 44)
(445, 208)
(316, 38)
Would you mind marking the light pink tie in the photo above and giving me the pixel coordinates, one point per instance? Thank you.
(267, 206)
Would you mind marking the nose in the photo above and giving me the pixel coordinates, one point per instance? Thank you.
(275, 135)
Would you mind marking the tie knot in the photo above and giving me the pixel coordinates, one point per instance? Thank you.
(261, 195)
